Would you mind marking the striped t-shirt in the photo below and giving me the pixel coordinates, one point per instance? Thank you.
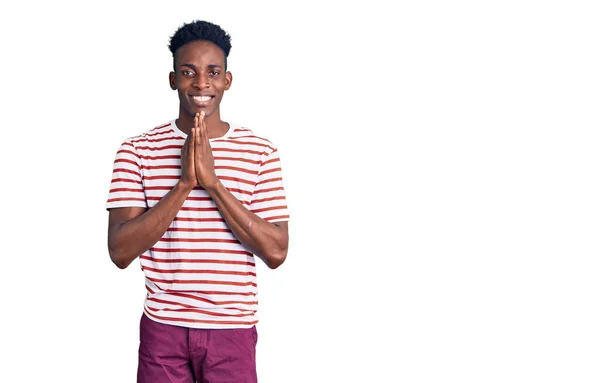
(198, 274)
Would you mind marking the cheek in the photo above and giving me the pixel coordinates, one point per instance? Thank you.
(181, 93)
(221, 84)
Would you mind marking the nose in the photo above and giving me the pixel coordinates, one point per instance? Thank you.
(201, 80)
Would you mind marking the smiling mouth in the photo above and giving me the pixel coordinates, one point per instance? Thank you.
(202, 100)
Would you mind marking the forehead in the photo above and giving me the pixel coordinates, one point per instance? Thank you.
(200, 52)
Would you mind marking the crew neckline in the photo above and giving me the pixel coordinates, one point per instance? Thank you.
(179, 132)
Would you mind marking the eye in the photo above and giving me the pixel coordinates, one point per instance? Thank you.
(187, 72)
(214, 73)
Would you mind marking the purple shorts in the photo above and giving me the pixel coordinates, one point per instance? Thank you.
(173, 354)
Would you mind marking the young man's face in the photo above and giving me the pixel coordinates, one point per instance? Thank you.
(200, 77)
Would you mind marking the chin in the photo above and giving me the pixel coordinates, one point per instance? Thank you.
(194, 109)
(206, 112)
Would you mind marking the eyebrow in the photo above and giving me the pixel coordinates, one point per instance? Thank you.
(194, 67)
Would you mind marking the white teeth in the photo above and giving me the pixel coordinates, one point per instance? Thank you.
(202, 98)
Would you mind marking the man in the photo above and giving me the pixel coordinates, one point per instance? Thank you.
(196, 199)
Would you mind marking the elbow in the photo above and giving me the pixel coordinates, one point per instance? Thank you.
(276, 259)
(120, 264)
(117, 258)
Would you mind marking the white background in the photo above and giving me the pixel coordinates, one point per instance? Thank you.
(440, 161)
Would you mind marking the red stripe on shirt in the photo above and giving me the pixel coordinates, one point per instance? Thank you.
(254, 201)
(192, 310)
(200, 320)
(114, 180)
(126, 161)
(181, 250)
(206, 271)
(278, 179)
(151, 148)
(182, 260)
(200, 282)
(116, 190)
(199, 230)
(270, 171)
(126, 199)
(277, 217)
(189, 296)
(199, 240)
(227, 150)
(122, 170)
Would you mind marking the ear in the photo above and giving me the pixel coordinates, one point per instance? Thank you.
(228, 80)
(172, 80)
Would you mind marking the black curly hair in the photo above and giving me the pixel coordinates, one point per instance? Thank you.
(200, 30)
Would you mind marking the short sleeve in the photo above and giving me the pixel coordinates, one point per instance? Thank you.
(126, 188)
(268, 199)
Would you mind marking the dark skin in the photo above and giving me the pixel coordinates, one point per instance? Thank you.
(200, 81)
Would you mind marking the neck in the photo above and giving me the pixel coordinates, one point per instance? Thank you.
(214, 125)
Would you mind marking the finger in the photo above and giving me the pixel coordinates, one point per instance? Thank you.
(191, 145)
(194, 136)
(195, 129)
(203, 129)
(199, 126)
(191, 135)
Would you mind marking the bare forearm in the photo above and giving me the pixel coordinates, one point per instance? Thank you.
(268, 241)
(130, 239)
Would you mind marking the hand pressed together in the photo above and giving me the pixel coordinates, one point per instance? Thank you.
(203, 158)
(197, 161)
